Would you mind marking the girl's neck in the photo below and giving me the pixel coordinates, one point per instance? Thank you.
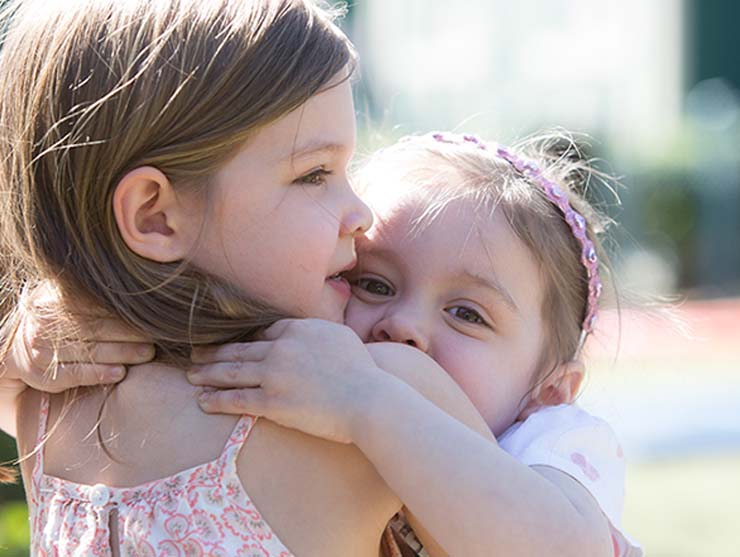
(145, 421)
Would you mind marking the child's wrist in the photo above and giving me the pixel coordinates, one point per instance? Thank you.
(8, 369)
(8, 366)
(11, 386)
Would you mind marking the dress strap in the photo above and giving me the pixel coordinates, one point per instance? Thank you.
(38, 466)
(236, 440)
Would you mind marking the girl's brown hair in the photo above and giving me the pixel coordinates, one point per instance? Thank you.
(92, 89)
(463, 171)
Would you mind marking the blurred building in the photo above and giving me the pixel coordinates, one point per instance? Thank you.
(655, 83)
(611, 67)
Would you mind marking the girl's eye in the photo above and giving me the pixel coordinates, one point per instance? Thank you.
(315, 177)
(468, 315)
(373, 286)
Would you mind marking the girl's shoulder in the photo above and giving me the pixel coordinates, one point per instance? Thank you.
(27, 428)
(558, 424)
(320, 497)
(583, 446)
(570, 439)
(143, 423)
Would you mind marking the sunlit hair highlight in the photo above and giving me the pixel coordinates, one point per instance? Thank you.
(92, 89)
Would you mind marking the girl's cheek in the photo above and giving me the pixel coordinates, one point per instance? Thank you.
(360, 318)
(469, 366)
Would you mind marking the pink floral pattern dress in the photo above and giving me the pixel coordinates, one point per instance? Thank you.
(197, 512)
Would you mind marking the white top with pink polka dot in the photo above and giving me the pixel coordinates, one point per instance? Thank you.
(583, 446)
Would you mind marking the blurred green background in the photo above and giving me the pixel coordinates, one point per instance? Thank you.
(655, 86)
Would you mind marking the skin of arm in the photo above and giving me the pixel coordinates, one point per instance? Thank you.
(98, 357)
(419, 430)
(483, 497)
(11, 385)
(10, 390)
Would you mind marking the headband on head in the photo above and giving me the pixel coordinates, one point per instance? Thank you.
(559, 198)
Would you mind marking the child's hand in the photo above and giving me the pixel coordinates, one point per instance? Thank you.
(97, 355)
(307, 374)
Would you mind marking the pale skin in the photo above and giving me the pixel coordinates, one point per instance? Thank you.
(558, 514)
(484, 325)
(30, 356)
(321, 498)
(344, 393)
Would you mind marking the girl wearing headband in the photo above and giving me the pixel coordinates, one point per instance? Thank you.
(487, 260)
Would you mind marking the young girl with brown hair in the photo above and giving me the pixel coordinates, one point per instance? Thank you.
(178, 166)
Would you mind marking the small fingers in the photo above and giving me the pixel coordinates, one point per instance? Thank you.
(226, 375)
(129, 353)
(234, 352)
(233, 401)
(67, 376)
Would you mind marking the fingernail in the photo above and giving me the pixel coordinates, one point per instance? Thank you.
(145, 351)
(204, 397)
(116, 374)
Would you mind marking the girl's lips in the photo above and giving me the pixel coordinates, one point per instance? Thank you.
(341, 285)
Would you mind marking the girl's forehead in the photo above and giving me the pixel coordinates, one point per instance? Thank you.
(454, 228)
(387, 190)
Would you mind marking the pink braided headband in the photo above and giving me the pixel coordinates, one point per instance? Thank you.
(575, 220)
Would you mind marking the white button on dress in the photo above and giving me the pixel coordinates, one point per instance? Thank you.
(99, 495)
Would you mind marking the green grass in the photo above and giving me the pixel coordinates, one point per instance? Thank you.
(13, 529)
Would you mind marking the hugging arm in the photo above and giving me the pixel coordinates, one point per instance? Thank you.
(31, 358)
(463, 493)
(10, 390)
(459, 487)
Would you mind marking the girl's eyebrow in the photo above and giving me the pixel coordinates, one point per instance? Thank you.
(493, 284)
(313, 147)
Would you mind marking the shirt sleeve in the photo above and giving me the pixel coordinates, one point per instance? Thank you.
(583, 446)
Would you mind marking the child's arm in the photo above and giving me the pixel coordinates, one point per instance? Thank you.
(471, 496)
(483, 499)
(29, 358)
(10, 390)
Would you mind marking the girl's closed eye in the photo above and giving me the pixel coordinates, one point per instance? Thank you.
(467, 315)
(316, 177)
(373, 286)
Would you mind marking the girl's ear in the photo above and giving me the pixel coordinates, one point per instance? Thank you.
(560, 387)
(154, 221)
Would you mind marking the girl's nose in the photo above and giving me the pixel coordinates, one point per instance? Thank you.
(395, 328)
(358, 218)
